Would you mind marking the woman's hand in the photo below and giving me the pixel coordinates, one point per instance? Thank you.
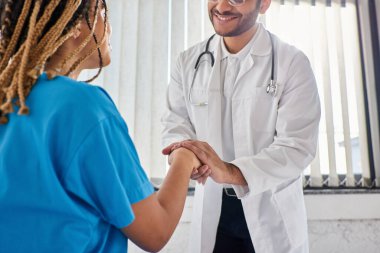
(183, 155)
(200, 172)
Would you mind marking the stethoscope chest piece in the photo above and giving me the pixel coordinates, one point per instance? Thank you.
(272, 88)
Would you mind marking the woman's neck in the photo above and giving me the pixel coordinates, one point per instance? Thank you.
(55, 64)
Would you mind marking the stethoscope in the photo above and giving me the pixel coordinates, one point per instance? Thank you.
(271, 87)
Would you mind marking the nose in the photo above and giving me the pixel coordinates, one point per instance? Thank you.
(223, 5)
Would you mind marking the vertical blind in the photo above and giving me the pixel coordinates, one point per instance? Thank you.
(148, 35)
(327, 32)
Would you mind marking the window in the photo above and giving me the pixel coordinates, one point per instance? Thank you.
(328, 33)
(149, 39)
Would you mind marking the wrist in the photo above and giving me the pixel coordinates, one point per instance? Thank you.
(184, 158)
(233, 175)
(227, 176)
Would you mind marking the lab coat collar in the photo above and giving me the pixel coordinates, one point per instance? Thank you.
(260, 43)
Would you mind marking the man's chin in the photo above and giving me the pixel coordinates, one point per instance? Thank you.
(226, 33)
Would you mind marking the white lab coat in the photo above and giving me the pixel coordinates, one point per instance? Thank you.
(275, 138)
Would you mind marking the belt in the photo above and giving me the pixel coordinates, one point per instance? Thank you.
(230, 192)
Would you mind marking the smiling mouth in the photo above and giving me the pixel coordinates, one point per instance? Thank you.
(224, 18)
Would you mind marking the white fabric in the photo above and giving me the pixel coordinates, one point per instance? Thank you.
(230, 68)
(274, 138)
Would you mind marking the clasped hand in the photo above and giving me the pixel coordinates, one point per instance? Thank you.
(211, 166)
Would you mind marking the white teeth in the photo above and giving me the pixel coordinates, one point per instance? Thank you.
(222, 18)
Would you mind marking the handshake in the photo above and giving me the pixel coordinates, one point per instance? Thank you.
(206, 162)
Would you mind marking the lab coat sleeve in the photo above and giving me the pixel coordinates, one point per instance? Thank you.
(295, 141)
(176, 122)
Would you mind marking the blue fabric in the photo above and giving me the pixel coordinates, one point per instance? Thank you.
(69, 172)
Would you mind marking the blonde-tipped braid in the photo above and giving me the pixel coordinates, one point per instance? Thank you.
(7, 74)
(41, 62)
(84, 43)
(105, 30)
(10, 91)
(16, 34)
(45, 19)
(23, 60)
(19, 73)
(58, 28)
(50, 46)
(5, 27)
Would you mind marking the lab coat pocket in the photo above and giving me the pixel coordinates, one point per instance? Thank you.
(261, 96)
(199, 111)
(264, 110)
(290, 203)
(198, 98)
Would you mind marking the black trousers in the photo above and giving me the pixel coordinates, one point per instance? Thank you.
(232, 235)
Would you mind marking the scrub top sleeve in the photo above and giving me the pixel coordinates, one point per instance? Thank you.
(106, 173)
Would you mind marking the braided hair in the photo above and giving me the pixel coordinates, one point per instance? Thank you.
(31, 31)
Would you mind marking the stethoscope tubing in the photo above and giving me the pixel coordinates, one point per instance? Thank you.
(205, 53)
(271, 87)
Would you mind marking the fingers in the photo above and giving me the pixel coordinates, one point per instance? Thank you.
(203, 179)
(200, 144)
(175, 145)
(168, 149)
(200, 172)
(171, 148)
(200, 153)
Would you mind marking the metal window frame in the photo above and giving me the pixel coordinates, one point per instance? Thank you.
(370, 57)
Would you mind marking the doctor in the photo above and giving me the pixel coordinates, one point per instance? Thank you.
(247, 105)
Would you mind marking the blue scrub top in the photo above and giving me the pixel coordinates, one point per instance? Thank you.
(69, 172)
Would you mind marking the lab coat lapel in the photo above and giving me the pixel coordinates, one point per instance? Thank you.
(260, 47)
(246, 66)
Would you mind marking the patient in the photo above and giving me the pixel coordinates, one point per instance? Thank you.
(70, 177)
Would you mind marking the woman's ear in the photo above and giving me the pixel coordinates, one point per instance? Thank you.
(77, 31)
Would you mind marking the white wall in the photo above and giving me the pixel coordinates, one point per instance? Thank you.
(337, 224)
(344, 236)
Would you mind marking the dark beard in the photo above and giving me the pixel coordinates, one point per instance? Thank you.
(244, 25)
